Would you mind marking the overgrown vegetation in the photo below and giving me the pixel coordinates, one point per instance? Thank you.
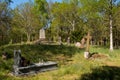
(68, 22)
(72, 64)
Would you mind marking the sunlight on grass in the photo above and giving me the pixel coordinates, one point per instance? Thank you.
(71, 62)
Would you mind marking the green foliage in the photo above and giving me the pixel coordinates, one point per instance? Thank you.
(5, 21)
(69, 18)
(66, 18)
(76, 36)
(25, 22)
(60, 19)
(70, 59)
(32, 53)
(43, 9)
(41, 5)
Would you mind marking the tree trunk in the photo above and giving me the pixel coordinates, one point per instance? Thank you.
(111, 34)
(73, 25)
(21, 39)
(28, 37)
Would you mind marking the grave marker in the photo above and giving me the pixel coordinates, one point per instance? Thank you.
(31, 68)
(42, 34)
(86, 53)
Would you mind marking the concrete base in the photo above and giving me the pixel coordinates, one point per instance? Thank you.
(35, 68)
(86, 55)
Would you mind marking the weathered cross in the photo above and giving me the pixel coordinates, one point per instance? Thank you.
(88, 40)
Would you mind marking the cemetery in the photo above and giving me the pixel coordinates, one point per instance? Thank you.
(59, 39)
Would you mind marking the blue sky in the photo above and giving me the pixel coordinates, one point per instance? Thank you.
(17, 2)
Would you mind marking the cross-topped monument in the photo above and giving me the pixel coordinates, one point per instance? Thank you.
(86, 53)
(88, 41)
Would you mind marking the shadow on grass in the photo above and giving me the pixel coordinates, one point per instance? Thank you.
(45, 52)
(105, 47)
(103, 73)
(2, 77)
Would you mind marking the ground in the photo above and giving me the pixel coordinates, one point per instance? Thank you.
(102, 65)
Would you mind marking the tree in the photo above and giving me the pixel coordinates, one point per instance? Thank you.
(108, 7)
(111, 25)
(116, 27)
(5, 19)
(90, 17)
(26, 20)
(66, 18)
(43, 11)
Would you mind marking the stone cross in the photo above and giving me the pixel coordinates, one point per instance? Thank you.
(59, 40)
(68, 40)
(82, 43)
(86, 53)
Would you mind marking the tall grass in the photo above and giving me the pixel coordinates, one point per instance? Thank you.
(72, 64)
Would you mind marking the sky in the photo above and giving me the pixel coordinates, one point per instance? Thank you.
(18, 2)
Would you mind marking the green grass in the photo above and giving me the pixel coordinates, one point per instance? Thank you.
(72, 64)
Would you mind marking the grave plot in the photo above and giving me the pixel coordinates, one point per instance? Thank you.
(23, 67)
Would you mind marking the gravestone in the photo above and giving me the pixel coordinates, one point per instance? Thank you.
(78, 44)
(68, 40)
(59, 40)
(4, 55)
(42, 34)
(86, 53)
(82, 43)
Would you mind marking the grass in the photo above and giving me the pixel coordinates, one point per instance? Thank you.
(72, 64)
